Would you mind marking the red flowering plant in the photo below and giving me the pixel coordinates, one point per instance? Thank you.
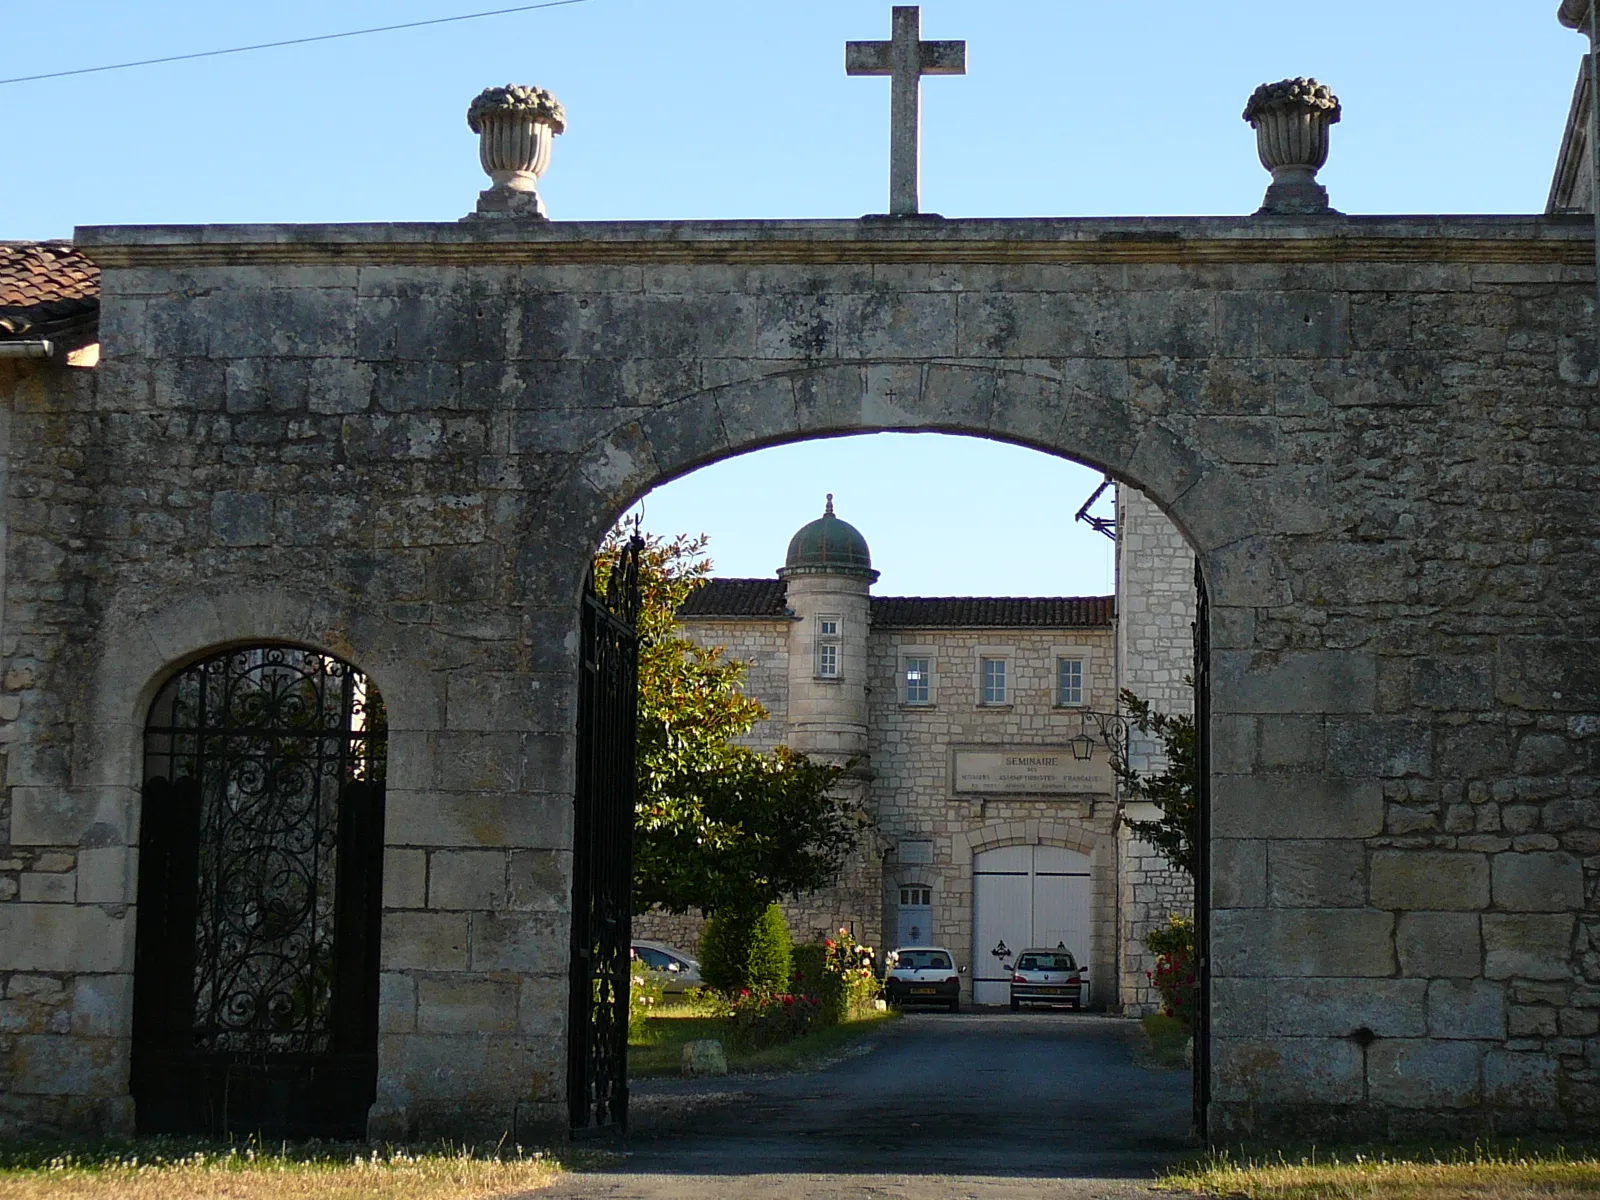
(849, 978)
(1174, 976)
(762, 1019)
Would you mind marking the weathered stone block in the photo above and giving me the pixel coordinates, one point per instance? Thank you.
(425, 941)
(1437, 943)
(704, 1057)
(405, 878)
(1385, 748)
(434, 818)
(1238, 873)
(1320, 874)
(1287, 1070)
(65, 937)
(540, 880)
(469, 1005)
(1538, 882)
(467, 879)
(105, 875)
(1425, 1074)
(1292, 742)
(1302, 942)
(1304, 681)
(56, 1065)
(1460, 683)
(397, 1003)
(532, 945)
(542, 1007)
(1429, 879)
(1295, 806)
(59, 816)
(102, 1006)
(1466, 1008)
(1521, 1080)
(1529, 945)
(37, 887)
(1300, 1008)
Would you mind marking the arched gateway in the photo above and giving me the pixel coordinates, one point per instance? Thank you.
(1372, 430)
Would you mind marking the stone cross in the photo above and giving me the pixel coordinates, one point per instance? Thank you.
(905, 58)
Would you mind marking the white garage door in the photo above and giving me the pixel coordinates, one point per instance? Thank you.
(1025, 896)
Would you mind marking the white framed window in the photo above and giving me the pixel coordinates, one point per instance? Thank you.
(1070, 683)
(916, 895)
(917, 676)
(993, 684)
(828, 647)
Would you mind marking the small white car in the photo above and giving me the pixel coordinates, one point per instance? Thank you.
(922, 975)
(1046, 977)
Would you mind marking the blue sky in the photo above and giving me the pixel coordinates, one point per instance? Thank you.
(735, 108)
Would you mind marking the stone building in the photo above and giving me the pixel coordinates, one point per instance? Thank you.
(976, 726)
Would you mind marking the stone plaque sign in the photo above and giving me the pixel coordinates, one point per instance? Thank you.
(1051, 770)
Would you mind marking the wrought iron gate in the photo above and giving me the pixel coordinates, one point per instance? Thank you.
(1202, 874)
(256, 970)
(602, 858)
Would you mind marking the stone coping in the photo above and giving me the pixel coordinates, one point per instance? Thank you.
(1530, 240)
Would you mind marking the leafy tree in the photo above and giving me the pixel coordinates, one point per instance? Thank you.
(718, 826)
(1173, 789)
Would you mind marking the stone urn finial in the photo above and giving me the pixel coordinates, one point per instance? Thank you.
(1291, 120)
(515, 126)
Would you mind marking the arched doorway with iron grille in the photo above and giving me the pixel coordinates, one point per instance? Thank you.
(256, 970)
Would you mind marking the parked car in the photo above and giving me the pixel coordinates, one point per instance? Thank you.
(679, 972)
(922, 975)
(1046, 977)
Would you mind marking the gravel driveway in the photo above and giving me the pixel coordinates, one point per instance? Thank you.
(982, 1105)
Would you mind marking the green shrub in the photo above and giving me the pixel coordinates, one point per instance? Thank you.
(806, 965)
(746, 951)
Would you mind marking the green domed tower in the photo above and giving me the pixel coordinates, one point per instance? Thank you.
(828, 577)
(828, 546)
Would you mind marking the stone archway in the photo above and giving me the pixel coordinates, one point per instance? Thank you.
(430, 426)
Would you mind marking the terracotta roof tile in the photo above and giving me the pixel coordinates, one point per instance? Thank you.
(766, 598)
(45, 287)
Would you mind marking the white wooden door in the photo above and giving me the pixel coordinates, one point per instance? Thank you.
(1025, 896)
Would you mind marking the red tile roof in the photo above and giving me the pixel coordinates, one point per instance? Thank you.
(765, 598)
(47, 289)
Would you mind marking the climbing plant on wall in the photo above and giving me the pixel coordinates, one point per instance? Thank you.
(1172, 788)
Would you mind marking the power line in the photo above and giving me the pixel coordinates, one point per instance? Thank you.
(324, 37)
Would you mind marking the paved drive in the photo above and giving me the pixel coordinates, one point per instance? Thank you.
(988, 1106)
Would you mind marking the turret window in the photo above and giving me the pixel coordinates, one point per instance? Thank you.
(827, 647)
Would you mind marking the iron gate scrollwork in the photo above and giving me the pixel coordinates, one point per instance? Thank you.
(602, 860)
(255, 993)
(1202, 857)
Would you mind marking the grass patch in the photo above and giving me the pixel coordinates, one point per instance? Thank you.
(660, 1051)
(183, 1169)
(1480, 1173)
(1168, 1039)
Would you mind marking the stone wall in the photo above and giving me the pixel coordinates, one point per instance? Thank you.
(1155, 659)
(401, 443)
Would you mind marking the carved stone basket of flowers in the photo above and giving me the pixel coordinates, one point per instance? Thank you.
(1291, 120)
(516, 126)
